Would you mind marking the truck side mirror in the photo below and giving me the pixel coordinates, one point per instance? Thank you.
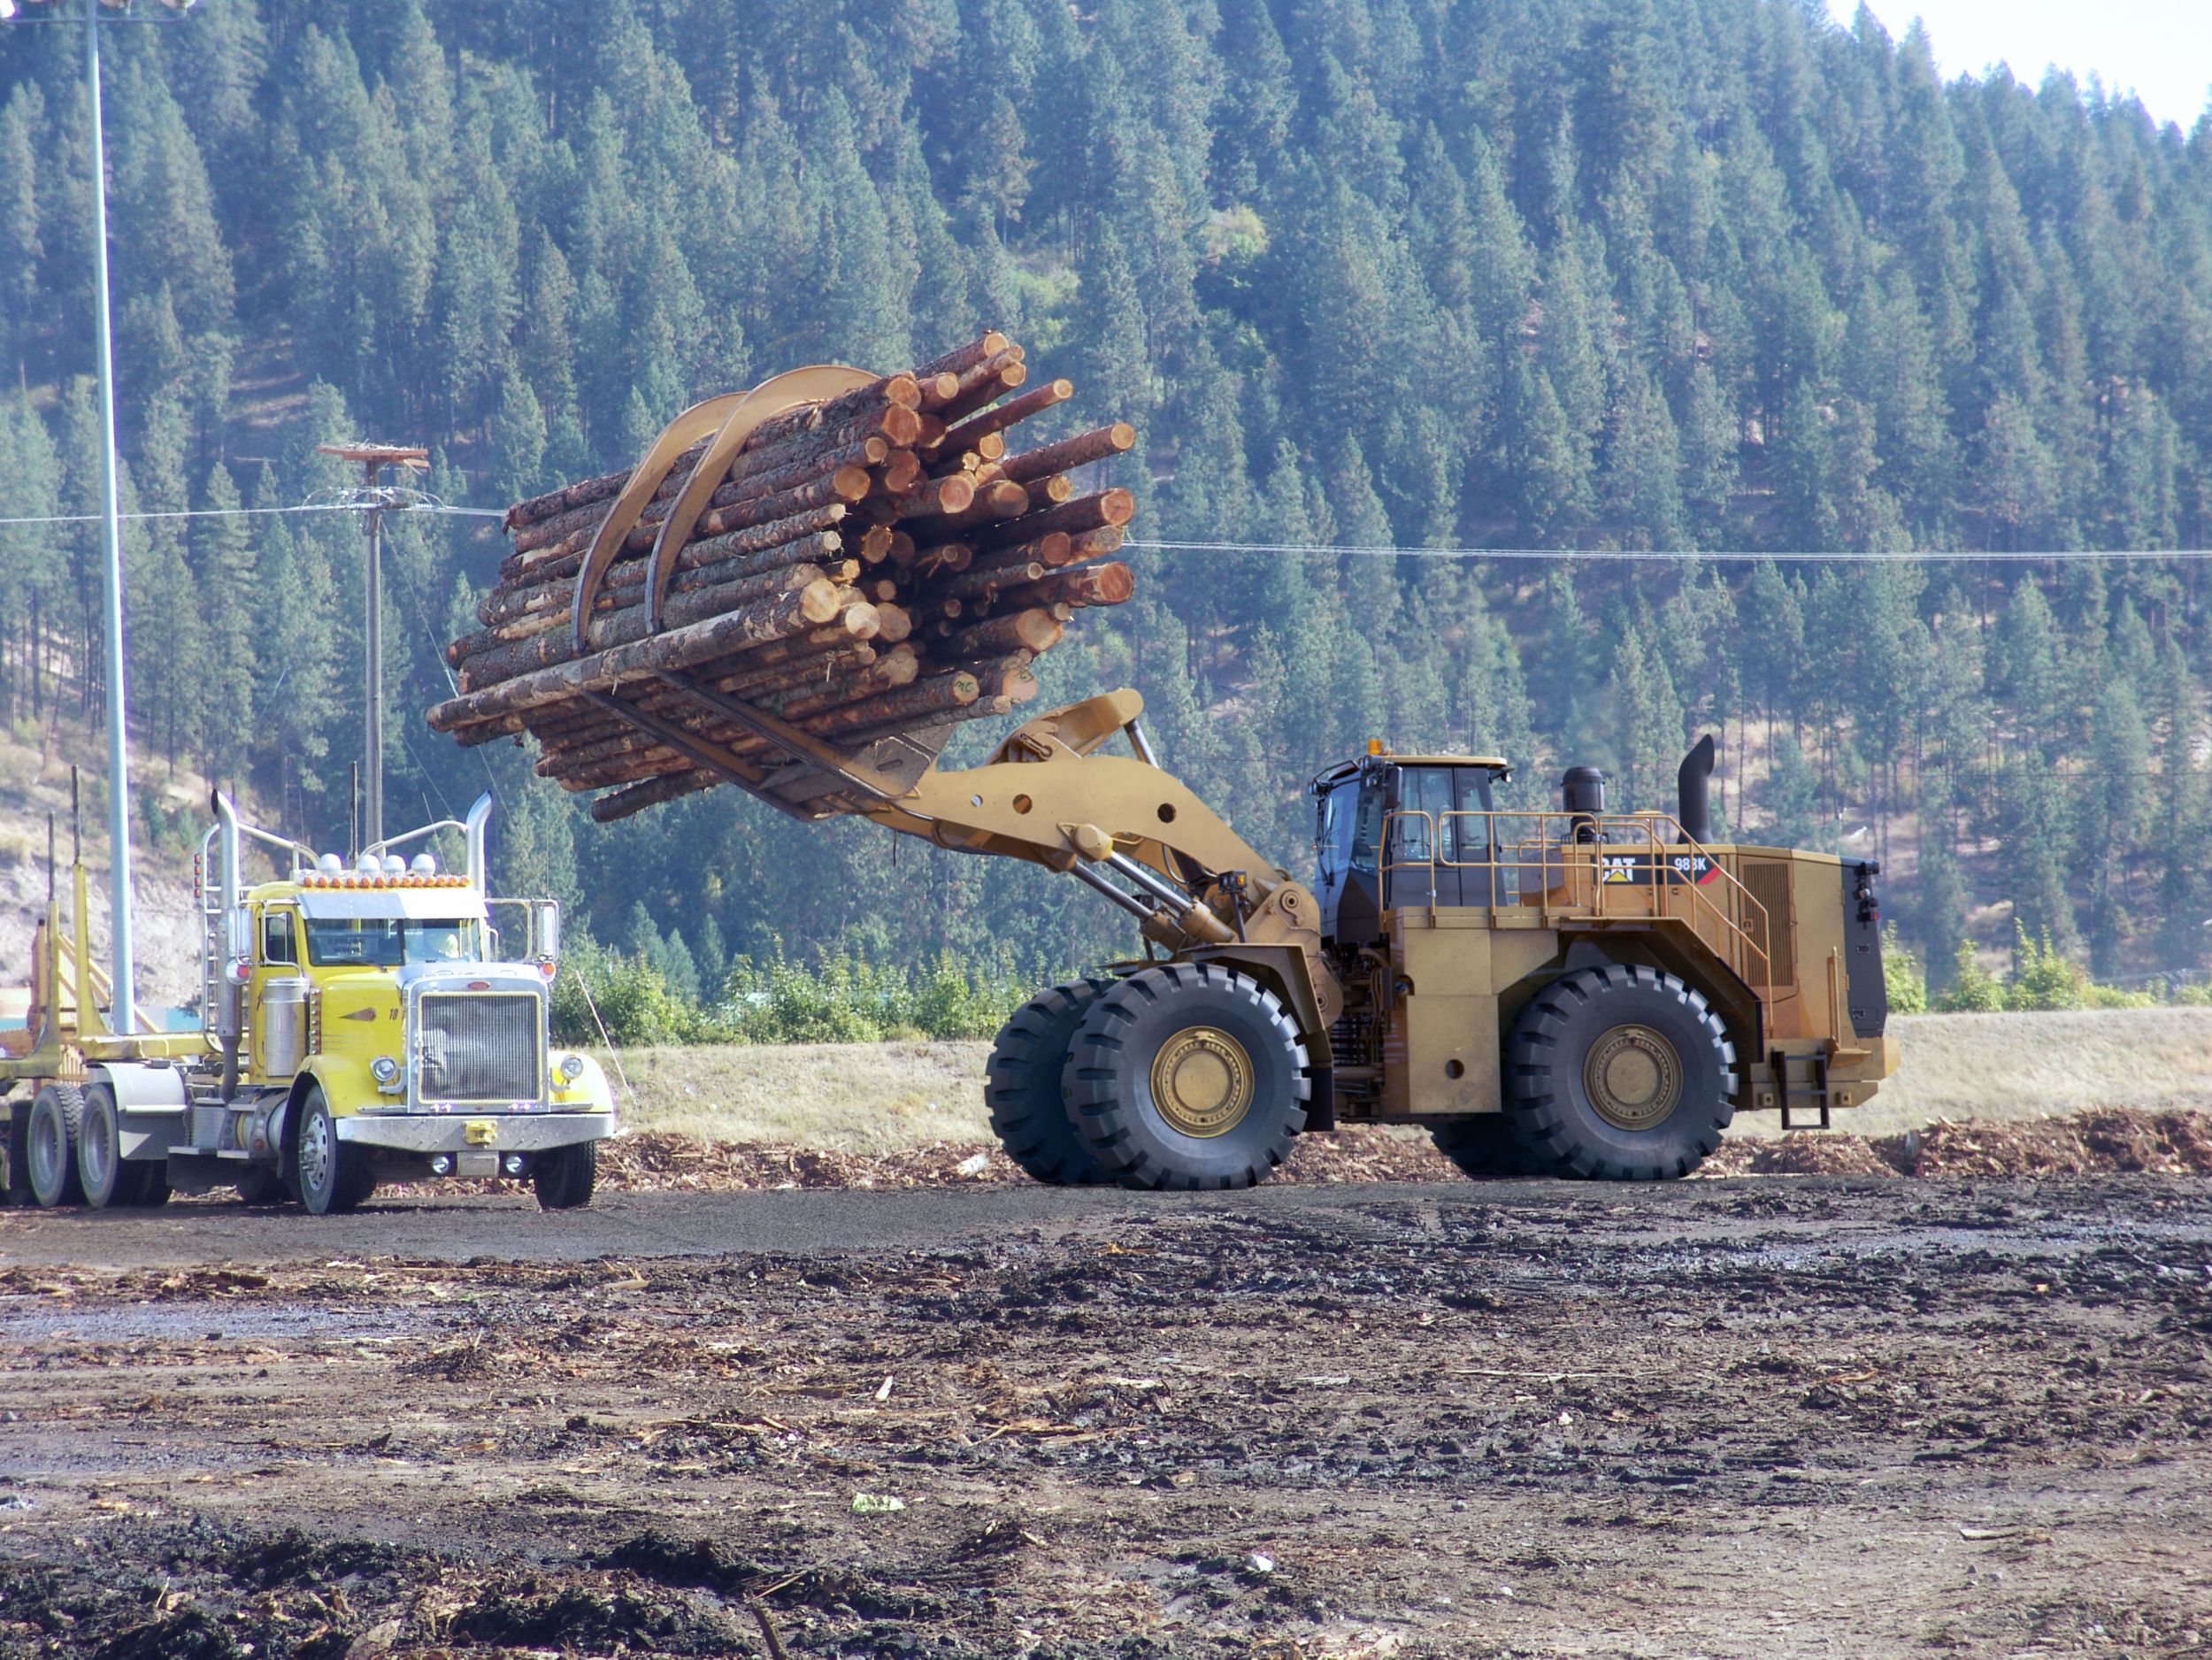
(549, 930)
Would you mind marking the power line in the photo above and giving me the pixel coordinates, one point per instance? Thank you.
(1573, 556)
(250, 513)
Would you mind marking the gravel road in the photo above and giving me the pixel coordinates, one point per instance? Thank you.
(1751, 1418)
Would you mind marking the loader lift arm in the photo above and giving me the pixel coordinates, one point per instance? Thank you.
(1049, 795)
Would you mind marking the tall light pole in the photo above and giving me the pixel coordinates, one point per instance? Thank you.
(123, 1011)
(124, 1015)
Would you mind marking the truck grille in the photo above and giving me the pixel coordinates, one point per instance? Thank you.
(475, 1048)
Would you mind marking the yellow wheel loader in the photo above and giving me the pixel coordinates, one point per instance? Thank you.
(1571, 991)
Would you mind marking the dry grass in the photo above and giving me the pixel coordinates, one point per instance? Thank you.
(845, 1098)
(2008, 1067)
(885, 1097)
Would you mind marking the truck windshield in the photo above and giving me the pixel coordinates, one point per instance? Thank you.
(389, 941)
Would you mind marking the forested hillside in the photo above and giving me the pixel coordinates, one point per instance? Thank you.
(1520, 274)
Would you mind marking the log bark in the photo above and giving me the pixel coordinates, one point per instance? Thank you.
(652, 793)
(1092, 584)
(757, 624)
(817, 595)
(1070, 453)
(1107, 509)
(518, 612)
(970, 431)
(1029, 630)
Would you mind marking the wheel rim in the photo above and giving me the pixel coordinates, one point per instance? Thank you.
(96, 1149)
(1201, 1082)
(315, 1152)
(48, 1156)
(1633, 1078)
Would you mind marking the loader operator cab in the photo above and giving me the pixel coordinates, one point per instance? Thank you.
(1403, 830)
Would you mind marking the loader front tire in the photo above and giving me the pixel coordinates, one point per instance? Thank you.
(1187, 1076)
(1620, 1074)
(57, 1115)
(1022, 1086)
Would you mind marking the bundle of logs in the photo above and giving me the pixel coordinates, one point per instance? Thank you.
(876, 566)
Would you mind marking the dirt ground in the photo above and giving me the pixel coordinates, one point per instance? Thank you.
(1762, 1417)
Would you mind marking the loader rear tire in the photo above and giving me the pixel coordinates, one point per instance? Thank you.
(1491, 1145)
(1621, 1073)
(1187, 1076)
(1023, 1089)
(57, 1114)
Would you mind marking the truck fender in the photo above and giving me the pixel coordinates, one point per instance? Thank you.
(150, 1104)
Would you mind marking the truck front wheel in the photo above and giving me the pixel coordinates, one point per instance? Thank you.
(1620, 1074)
(332, 1177)
(565, 1176)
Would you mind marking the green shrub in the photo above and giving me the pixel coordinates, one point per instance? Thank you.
(2042, 978)
(845, 999)
(1907, 985)
(633, 1001)
(1973, 990)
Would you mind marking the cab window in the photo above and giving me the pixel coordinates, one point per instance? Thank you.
(1416, 838)
(279, 943)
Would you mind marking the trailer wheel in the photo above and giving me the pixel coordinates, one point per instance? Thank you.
(332, 1177)
(101, 1173)
(55, 1113)
(1029, 1112)
(1187, 1076)
(565, 1176)
(1490, 1145)
(1621, 1073)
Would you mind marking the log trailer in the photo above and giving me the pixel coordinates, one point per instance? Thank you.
(358, 1025)
(1576, 992)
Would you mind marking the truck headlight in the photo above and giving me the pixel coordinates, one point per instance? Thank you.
(385, 1069)
(571, 1068)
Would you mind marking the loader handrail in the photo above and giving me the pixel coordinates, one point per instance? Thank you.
(1597, 861)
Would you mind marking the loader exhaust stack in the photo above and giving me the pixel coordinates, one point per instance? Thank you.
(1693, 808)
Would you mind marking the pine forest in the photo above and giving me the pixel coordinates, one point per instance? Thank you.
(1563, 279)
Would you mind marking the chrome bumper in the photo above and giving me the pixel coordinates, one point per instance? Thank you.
(444, 1132)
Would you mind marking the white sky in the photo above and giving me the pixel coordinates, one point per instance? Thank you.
(2159, 48)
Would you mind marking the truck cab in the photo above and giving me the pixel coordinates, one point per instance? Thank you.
(360, 1023)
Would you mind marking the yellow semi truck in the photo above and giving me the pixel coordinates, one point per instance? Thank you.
(359, 1022)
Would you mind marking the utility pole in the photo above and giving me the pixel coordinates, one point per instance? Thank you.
(374, 499)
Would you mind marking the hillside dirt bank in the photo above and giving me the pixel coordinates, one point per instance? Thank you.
(1755, 1418)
